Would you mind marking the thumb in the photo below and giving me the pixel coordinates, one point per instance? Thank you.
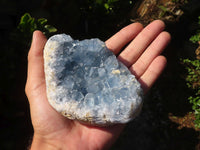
(35, 62)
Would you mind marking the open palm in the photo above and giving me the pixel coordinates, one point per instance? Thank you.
(52, 130)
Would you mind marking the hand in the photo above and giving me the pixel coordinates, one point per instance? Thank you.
(142, 55)
(52, 130)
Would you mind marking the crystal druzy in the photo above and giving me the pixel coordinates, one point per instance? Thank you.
(86, 82)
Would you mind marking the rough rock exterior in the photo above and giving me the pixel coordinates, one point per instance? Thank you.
(86, 82)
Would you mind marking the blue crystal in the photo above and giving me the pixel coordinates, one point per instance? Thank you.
(86, 82)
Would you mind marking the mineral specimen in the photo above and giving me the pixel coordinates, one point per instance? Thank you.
(86, 82)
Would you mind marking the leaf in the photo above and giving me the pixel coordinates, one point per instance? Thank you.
(33, 25)
(99, 1)
(106, 6)
(24, 22)
(42, 21)
(112, 1)
(25, 18)
(163, 8)
(50, 28)
(195, 38)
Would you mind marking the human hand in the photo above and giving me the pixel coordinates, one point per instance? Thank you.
(52, 130)
(142, 55)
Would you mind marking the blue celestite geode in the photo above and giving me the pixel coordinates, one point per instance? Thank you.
(86, 82)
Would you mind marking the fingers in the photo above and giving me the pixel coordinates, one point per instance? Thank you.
(154, 50)
(124, 36)
(35, 61)
(141, 42)
(152, 73)
(141, 56)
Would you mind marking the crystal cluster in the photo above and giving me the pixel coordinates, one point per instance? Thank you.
(86, 82)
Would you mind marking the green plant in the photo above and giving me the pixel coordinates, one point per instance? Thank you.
(109, 5)
(103, 17)
(193, 76)
(195, 101)
(180, 1)
(196, 38)
(16, 48)
(106, 6)
(193, 79)
(28, 24)
(13, 63)
(193, 82)
(164, 10)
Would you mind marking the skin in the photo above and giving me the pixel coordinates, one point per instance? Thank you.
(52, 130)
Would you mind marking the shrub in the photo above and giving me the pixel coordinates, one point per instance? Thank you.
(196, 38)
(193, 80)
(28, 24)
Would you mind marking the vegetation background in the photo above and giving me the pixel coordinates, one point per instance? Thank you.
(167, 118)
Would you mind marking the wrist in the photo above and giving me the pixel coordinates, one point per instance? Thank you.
(40, 143)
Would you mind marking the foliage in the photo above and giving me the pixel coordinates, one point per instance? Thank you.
(13, 109)
(103, 17)
(193, 79)
(196, 38)
(14, 54)
(164, 10)
(196, 107)
(28, 25)
(15, 43)
(106, 6)
(180, 1)
(193, 82)
(16, 46)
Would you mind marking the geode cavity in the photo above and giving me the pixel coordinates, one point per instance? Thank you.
(86, 82)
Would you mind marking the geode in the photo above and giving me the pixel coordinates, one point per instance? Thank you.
(86, 82)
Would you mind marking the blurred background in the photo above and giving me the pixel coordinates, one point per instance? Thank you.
(170, 118)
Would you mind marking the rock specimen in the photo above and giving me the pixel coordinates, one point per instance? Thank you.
(86, 82)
